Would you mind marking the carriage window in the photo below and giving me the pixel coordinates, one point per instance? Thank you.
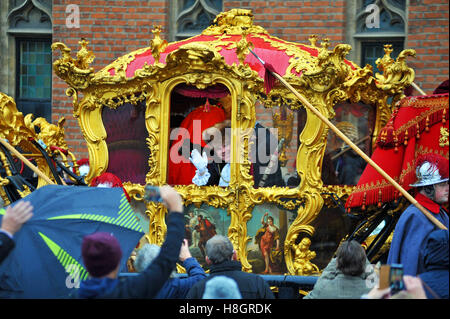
(200, 123)
(274, 147)
(126, 139)
(331, 226)
(341, 165)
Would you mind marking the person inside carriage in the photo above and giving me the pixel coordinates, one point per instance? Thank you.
(200, 153)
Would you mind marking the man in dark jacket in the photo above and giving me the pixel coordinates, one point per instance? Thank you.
(13, 219)
(101, 255)
(436, 264)
(413, 227)
(222, 258)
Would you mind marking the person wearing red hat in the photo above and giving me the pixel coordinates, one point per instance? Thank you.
(83, 166)
(181, 170)
(109, 180)
(413, 227)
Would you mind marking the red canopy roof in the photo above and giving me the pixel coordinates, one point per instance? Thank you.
(270, 49)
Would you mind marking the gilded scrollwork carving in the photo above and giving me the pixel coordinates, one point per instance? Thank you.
(303, 256)
(443, 136)
(20, 131)
(76, 72)
(157, 44)
(320, 73)
(396, 73)
(243, 47)
(232, 21)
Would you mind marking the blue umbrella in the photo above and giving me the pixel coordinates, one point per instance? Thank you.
(46, 261)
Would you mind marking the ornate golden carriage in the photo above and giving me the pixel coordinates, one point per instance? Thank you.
(40, 143)
(128, 109)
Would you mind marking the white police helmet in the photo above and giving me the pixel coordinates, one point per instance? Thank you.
(429, 171)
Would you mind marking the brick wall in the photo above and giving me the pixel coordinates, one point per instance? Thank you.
(116, 27)
(428, 34)
(297, 20)
(113, 28)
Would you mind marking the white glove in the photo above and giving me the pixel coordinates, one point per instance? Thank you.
(200, 162)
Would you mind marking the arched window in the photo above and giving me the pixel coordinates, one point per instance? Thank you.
(191, 17)
(380, 22)
(29, 22)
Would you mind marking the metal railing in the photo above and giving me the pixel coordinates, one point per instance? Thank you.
(284, 286)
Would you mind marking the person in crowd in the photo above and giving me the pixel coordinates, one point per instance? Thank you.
(101, 255)
(221, 257)
(414, 227)
(413, 290)
(435, 277)
(109, 180)
(13, 219)
(174, 288)
(221, 287)
(346, 276)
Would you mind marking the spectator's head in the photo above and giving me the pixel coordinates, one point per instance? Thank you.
(219, 249)
(83, 165)
(221, 287)
(108, 180)
(101, 254)
(351, 258)
(145, 256)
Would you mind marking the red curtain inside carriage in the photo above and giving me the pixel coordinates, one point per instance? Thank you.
(128, 152)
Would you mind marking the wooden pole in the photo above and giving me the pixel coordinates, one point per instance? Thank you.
(345, 150)
(26, 161)
(418, 89)
(306, 103)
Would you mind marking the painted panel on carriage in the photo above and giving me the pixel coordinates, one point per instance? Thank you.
(202, 223)
(267, 230)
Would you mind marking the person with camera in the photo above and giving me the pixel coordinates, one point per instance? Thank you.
(413, 289)
(101, 254)
(414, 227)
(174, 288)
(221, 257)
